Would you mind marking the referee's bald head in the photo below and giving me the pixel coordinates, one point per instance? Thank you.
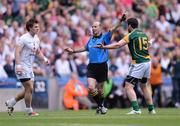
(96, 23)
(96, 28)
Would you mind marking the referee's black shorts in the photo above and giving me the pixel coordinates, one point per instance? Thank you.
(98, 71)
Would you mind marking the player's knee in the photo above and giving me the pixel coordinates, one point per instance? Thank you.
(29, 89)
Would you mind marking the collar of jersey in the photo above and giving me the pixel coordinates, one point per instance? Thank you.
(97, 36)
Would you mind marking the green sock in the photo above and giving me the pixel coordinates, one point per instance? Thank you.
(150, 107)
(135, 105)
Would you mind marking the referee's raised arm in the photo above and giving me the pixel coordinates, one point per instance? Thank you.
(123, 18)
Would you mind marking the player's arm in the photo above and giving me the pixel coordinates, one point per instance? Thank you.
(119, 44)
(18, 49)
(123, 18)
(41, 56)
(70, 50)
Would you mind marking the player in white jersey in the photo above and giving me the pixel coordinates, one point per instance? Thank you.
(26, 48)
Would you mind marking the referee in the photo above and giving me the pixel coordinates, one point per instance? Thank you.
(97, 68)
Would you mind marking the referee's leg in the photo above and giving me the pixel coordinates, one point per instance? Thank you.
(93, 90)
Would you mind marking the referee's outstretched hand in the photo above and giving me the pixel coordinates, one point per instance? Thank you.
(69, 50)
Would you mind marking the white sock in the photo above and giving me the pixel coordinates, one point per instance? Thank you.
(12, 102)
(29, 110)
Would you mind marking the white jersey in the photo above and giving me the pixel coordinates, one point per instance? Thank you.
(30, 45)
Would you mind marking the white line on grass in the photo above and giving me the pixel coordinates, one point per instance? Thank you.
(79, 124)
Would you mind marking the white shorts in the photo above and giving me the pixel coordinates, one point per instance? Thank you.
(26, 74)
(140, 70)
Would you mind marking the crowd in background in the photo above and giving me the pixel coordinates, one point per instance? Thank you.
(67, 23)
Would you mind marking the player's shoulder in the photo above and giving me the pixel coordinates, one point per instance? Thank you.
(136, 32)
(24, 36)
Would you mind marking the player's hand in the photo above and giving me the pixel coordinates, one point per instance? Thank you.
(46, 61)
(100, 45)
(18, 69)
(69, 50)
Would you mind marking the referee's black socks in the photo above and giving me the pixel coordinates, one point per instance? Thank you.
(95, 96)
(101, 101)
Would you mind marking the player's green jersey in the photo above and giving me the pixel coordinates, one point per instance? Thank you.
(138, 46)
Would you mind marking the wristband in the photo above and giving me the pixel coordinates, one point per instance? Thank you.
(151, 41)
(45, 59)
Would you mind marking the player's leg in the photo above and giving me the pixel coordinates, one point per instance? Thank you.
(147, 94)
(145, 87)
(129, 88)
(28, 86)
(11, 102)
(136, 71)
(20, 96)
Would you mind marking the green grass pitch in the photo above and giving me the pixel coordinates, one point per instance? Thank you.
(114, 117)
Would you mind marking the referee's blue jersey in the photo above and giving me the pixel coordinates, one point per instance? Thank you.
(98, 55)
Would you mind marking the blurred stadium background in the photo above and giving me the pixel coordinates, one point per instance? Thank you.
(68, 23)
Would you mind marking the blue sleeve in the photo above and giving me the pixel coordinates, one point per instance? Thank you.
(87, 49)
(107, 37)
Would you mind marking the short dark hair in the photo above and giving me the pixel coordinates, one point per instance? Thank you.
(133, 22)
(30, 23)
